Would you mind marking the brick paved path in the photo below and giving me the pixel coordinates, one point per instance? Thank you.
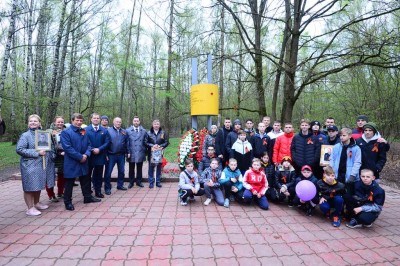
(149, 227)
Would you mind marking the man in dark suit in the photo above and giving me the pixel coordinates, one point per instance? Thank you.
(77, 150)
(99, 140)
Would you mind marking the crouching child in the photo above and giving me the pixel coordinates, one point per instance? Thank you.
(256, 184)
(331, 191)
(212, 186)
(189, 185)
(231, 180)
(309, 206)
(285, 178)
(366, 204)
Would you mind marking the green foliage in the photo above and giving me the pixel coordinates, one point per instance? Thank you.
(171, 151)
(8, 156)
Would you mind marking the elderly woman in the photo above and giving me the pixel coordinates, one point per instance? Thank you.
(209, 140)
(34, 175)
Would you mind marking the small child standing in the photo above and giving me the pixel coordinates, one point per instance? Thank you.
(367, 202)
(231, 179)
(189, 185)
(242, 151)
(331, 191)
(211, 177)
(309, 206)
(256, 185)
(284, 180)
(269, 170)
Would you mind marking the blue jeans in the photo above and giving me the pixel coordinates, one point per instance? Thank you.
(335, 202)
(113, 159)
(262, 202)
(151, 173)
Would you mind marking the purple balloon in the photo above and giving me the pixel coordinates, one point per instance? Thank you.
(306, 190)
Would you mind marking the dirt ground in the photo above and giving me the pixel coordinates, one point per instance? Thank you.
(391, 171)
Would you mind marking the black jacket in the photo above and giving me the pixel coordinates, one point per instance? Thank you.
(328, 191)
(373, 155)
(260, 145)
(220, 140)
(305, 150)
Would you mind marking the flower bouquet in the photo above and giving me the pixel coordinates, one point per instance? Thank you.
(191, 147)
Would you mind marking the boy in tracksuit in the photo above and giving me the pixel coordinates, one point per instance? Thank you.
(309, 206)
(211, 177)
(232, 182)
(367, 202)
(284, 180)
(331, 192)
(346, 160)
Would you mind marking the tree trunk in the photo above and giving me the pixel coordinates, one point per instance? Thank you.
(128, 50)
(56, 61)
(169, 68)
(11, 31)
(221, 63)
(38, 71)
(29, 56)
(153, 98)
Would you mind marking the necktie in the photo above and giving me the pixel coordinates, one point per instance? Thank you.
(95, 129)
(137, 130)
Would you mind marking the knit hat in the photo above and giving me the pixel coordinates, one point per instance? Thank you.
(313, 123)
(306, 167)
(333, 127)
(287, 159)
(362, 117)
(237, 122)
(105, 117)
(372, 126)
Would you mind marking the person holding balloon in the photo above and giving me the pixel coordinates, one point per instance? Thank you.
(331, 192)
(285, 177)
(306, 190)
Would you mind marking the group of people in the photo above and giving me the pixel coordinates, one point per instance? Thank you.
(266, 164)
(86, 152)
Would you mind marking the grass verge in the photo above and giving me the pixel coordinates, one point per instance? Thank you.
(8, 156)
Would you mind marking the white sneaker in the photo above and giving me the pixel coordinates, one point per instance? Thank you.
(41, 206)
(33, 212)
(207, 202)
(183, 203)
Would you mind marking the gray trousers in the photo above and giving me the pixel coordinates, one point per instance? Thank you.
(217, 192)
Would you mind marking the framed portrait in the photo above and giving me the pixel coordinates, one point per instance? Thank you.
(42, 140)
(326, 152)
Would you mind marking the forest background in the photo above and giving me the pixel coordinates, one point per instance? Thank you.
(288, 59)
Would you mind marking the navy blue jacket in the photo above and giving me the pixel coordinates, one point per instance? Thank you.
(305, 150)
(75, 143)
(373, 155)
(101, 140)
(119, 141)
(260, 145)
(161, 138)
(230, 140)
(220, 140)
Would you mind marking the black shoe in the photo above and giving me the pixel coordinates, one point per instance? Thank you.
(99, 195)
(108, 192)
(75, 185)
(290, 203)
(158, 185)
(310, 211)
(130, 185)
(151, 185)
(122, 188)
(69, 207)
(91, 199)
(139, 184)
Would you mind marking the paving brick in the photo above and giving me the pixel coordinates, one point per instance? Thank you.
(248, 261)
(136, 262)
(245, 251)
(118, 253)
(144, 240)
(112, 263)
(223, 251)
(180, 251)
(282, 249)
(158, 262)
(387, 253)
(160, 252)
(181, 262)
(139, 252)
(331, 258)
(352, 257)
(20, 261)
(105, 240)
(202, 262)
(270, 261)
(33, 251)
(219, 239)
(75, 252)
(163, 240)
(66, 262)
(67, 240)
(182, 240)
(291, 260)
(300, 248)
(312, 260)
(13, 250)
(54, 251)
(203, 251)
(90, 262)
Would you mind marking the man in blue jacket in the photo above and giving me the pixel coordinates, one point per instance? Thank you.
(116, 155)
(99, 140)
(75, 143)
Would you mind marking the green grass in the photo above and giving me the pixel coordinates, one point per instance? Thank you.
(8, 156)
(171, 150)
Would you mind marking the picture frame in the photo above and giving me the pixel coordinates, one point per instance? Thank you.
(325, 156)
(42, 140)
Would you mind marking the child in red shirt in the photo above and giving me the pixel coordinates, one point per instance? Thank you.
(256, 184)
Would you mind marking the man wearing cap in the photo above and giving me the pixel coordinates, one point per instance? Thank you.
(232, 136)
(220, 140)
(373, 153)
(318, 135)
(333, 136)
(104, 121)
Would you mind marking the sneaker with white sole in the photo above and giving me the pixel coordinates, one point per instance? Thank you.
(183, 203)
(33, 212)
(226, 203)
(367, 225)
(353, 224)
(207, 202)
(41, 206)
